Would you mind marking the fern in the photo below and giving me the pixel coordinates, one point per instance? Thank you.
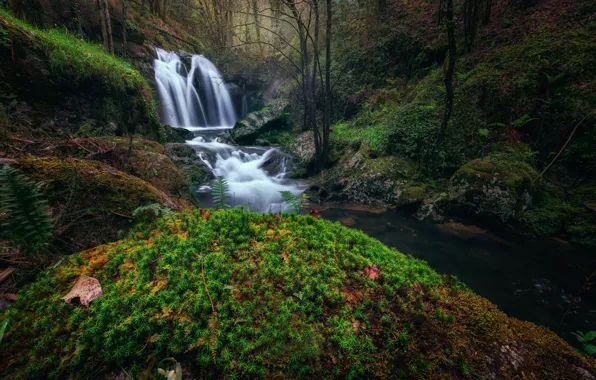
(296, 202)
(155, 208)
(221, 192)
(27, 223)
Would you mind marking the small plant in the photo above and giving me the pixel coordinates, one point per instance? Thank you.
(221, 192)
(296, 202)
(3, 329)
(142, 212)
(27, 223)
(588, 348)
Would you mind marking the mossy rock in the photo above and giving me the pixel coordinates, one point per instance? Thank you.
(412, 195)
(359, 179)
(236, 294)
(92, 201)
(66, 82)
(272, 117)
(493, 189)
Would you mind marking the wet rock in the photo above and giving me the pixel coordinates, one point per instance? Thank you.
(276, 163)
(247, 130)
(491, 190)
(361, 180)
(303, 148)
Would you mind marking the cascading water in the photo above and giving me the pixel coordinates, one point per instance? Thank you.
(198, 100)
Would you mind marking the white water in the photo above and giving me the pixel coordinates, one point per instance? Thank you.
(198, 100)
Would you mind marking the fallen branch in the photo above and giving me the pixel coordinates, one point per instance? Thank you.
(122, 215)
(562, 149)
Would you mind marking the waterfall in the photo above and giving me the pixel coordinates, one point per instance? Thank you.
(199, 100)
(198, 97)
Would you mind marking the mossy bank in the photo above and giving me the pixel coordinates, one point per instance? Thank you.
(236, 294)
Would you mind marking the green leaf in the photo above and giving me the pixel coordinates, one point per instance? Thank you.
(590, 349)
(483, 132)
(591, 335)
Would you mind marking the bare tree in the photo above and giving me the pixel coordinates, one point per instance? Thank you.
(450, 23)
(124, 16)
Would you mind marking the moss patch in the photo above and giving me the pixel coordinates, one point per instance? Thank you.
(91, 200)
(237, 294)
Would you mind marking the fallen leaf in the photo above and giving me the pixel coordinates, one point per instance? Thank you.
(86, 289)
(372, 272)
(355, 325)
(314, 213)
(417, 287)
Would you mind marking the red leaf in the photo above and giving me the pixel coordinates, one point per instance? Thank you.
(372, 272)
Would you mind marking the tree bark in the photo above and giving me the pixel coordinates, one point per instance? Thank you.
(124, 16)
(449, 71)
(76, 10)
(487, 10)
(328, 100)
(102, 22)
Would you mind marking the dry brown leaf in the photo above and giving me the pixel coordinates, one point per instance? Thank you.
(355, 325)
(86, 289)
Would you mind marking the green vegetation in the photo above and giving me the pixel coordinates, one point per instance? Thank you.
(74, 65)
(586, 339)
(221, 192)
(236, 294)
(26, 219)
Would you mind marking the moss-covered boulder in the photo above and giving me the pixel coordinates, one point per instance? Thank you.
(70, 86)
(236, 294)
(491, 190)
(356, 178)
(186, 158)
(270, 118)
(91, 200)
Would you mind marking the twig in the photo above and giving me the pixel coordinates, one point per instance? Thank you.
(122, 215)
(561, 151)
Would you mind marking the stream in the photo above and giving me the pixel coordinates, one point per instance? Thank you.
(530, 280)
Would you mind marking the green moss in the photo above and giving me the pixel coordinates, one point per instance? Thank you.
(73, 63)
(238, 294)
(91, 200)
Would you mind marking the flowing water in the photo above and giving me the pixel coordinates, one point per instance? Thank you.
(530, 280)
(198, 99)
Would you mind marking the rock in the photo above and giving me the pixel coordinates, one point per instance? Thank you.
(247, 130)
(411, 195)
(493, 190)
(179, 152)
(276, 163)
(361, 180)
(303, 148)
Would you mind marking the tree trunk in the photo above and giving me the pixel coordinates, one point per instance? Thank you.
(102, 22)
(124, 15)
(449, 71)
(487, 10)
(313, 87)
(107, 25)
(328, 101)
(76, 10)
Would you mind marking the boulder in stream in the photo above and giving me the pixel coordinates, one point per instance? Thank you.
(272, 117)
(491, 190)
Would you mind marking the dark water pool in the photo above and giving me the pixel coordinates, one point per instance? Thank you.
(533, 280)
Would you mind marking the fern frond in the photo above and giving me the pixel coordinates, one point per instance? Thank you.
(296, 202)
(220, 190)
(28, 223)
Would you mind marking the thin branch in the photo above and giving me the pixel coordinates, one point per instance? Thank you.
(563, 148)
